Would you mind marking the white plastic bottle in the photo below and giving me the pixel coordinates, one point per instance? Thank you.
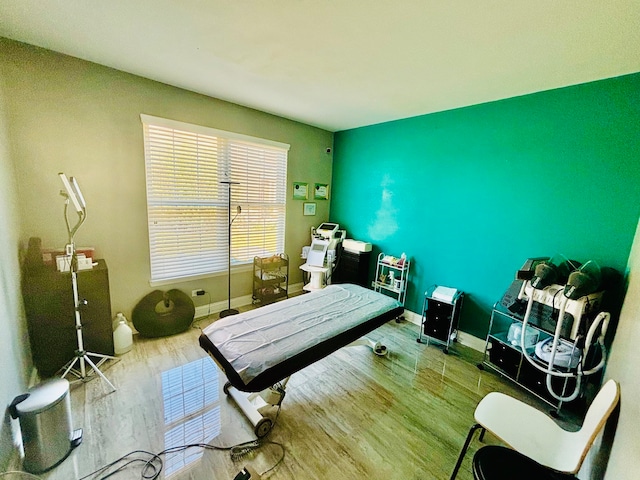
(122, 335)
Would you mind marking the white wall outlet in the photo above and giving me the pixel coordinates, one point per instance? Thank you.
(197, 293)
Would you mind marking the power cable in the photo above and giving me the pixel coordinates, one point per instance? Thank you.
(153, 464)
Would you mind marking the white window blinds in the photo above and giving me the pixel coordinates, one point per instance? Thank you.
(187, 205)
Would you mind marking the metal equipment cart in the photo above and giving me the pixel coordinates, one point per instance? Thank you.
(392, 276)
(270, 278)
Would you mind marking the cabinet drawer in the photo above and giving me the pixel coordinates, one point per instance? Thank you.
(504, 357)
(441, 307)
(536, 381)
(438, 317)
(437, 326)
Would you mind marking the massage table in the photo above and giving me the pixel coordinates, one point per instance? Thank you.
(260, 349)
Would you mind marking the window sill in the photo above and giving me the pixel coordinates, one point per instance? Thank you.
(173, 281)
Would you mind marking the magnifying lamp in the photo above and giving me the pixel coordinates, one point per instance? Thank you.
(81, 357)
(73, 192)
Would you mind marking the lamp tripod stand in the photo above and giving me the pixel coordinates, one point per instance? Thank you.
(81, 357)
(229, 311)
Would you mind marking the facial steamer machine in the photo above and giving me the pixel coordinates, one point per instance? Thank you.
(322, 255)
(572, 345)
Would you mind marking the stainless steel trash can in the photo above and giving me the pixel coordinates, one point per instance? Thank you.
(45, 423)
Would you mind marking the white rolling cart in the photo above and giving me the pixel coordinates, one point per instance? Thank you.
(392, 276)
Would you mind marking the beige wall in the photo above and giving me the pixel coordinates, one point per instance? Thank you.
(616, 453)
(68, 115)
(14, 346)
(624, 364)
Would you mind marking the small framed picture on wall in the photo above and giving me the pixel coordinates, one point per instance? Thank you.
(309, 209)
(321, 191)
(300, 190)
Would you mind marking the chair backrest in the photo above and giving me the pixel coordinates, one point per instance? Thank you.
(603, 404)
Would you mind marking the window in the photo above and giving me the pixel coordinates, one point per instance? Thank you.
(187, 205)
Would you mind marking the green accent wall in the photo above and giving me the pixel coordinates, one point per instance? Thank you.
(469, 194)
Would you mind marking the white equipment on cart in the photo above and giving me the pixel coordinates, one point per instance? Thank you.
(577, 347)
(321, 256)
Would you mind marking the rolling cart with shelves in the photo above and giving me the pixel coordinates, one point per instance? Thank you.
(270, 278)
(440, 316)
(506, 357)
(392, 276)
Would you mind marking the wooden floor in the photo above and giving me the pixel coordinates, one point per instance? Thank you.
(352, 415)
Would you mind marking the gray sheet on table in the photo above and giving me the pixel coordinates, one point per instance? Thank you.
(259, 339)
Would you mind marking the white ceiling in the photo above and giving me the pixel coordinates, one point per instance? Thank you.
(339, 64)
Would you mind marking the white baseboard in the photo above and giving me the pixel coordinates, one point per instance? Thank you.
(471, 341)
(464, 338)
(412, 317)
(216, 307)
(237, 302)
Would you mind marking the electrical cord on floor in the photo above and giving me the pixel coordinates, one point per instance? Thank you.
(241, 450)
(208, 305)
(153, 464)
(196, 323)
(280, 460)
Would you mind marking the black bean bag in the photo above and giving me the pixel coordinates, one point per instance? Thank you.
(160, 314)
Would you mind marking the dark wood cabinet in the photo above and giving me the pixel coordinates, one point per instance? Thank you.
(352, 267)
(48, 301)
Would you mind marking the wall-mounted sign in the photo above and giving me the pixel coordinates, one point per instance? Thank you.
(321, 191)
(300, 190)
(309, 209)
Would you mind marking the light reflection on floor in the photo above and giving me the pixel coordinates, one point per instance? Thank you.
(191, 411)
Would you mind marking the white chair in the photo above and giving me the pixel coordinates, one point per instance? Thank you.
(535, 435)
